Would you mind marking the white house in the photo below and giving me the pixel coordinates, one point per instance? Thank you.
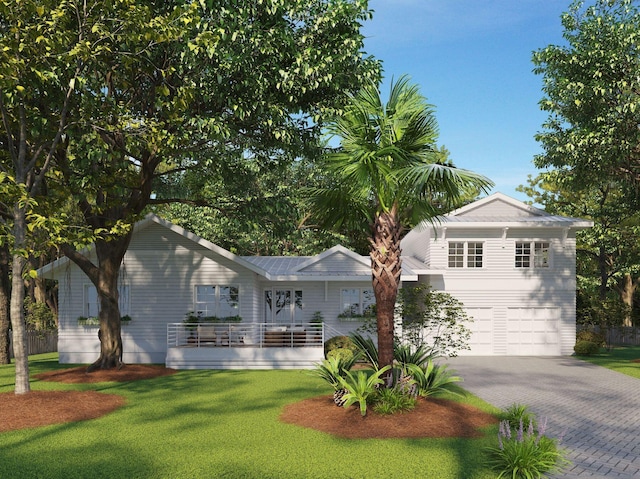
(513, 267)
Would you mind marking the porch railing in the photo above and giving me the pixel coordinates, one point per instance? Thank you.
(237, 335)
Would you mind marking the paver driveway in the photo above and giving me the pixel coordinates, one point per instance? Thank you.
(597, 409)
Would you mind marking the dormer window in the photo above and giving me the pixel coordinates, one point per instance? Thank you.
(465, 254)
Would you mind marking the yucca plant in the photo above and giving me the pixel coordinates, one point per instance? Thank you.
(405, 354)
(367, 347)
(360, 386)
(433, 379)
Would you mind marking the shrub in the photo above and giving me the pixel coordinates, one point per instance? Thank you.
(341, 353)
(339, 342)
(433, 379)
(524, 454)
(333, 368)
(406, 354)
(392, 400)
(592, 337)
(360, 386)
(367, 347)
(38, 316)
(586, 348)
(433, 318)
(516, 414)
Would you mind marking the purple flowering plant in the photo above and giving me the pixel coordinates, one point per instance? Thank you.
(524, 451)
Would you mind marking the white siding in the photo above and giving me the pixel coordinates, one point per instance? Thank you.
(494, 208)
(161, 269)
(337, 263)
(508, 294)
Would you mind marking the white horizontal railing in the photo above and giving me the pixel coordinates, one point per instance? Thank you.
(257, 335)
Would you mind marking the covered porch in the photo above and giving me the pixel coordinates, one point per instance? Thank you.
(244, 345)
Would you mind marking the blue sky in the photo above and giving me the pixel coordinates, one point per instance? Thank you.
(472, 60)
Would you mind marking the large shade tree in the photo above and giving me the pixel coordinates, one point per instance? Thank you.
(177, 86)
(388, 176)
(592, 94)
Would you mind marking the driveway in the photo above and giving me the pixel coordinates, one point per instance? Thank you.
(597, 410)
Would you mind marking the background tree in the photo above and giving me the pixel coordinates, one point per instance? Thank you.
(5, 298)
(179, 86)
(258, 211)
(592, 94)
(608, 255)
(38, 65)
(388, 177)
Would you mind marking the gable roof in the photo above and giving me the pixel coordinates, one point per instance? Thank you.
(154, 219)
(273, 268)
(499, 210)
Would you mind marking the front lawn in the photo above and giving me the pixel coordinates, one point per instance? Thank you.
(619, 358)
(203, 424)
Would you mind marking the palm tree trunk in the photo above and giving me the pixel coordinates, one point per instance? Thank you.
(386, 268)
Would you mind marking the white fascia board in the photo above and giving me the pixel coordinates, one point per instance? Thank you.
(333, 278)
(578, 224)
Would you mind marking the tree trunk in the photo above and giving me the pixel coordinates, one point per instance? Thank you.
(110, 254)
(20, 352)
(627, 290)
(604, 273)
(386, 269)
(5, 295)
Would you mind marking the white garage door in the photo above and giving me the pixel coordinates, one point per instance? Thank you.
(481, 341)
(533, 331)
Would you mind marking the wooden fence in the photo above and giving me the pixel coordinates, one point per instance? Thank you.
(40, 342)
(620, 336)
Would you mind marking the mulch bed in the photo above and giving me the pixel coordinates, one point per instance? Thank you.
(430, 418)
(42, 408)
(129, 372)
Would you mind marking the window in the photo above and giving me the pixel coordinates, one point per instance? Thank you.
(92, 304)
(532, 254)
(219, 301)
(283, 306)
(465, 254)
(357, 302)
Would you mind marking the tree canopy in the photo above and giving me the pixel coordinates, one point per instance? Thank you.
(592, 94)
(149, 90)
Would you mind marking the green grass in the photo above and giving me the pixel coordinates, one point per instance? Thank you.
(204, 424)
(618, 359)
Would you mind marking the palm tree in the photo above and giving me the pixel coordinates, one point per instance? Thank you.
(388, 176)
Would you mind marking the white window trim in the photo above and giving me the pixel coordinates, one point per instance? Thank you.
(216, 300)
(532, 244)
(361, 291)
(465, 254)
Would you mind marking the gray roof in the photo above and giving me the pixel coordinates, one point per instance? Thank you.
(277, 265)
